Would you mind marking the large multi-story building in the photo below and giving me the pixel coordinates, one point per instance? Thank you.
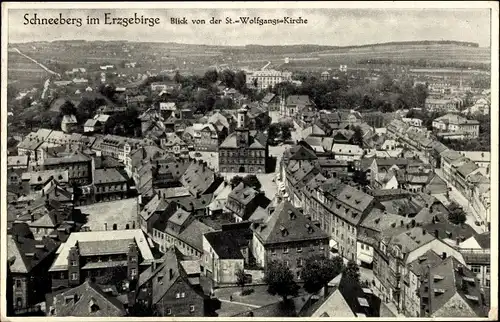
(264, 79)
(243, 151)
(123, 254)
(454, 123)
(287, 235)
(79, 167)
(28, 260)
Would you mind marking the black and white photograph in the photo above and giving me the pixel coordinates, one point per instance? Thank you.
(243, 160)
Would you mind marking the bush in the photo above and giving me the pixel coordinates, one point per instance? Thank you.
(248, 291)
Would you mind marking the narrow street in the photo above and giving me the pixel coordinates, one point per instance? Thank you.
(461, 200)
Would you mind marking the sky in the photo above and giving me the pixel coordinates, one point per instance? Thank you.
(334, 27)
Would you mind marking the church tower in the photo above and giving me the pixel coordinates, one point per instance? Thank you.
(242, 130)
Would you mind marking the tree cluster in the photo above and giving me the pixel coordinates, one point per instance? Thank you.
(249, 180)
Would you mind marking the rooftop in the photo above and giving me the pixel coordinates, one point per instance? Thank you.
(100, 238)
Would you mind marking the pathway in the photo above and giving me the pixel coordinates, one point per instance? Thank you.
(240, 303)
(36, 62)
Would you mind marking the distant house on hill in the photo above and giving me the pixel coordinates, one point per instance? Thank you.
(69, 123)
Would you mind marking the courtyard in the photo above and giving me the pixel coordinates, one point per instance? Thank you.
(105, 215)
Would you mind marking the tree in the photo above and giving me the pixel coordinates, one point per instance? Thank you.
(241, 278)
(240, 80)
(357, 137)
(279, 280)
(351, 272)
(286, 134)
(227, 77)
(456, 214)
(272, 133)
(320, 270)
(359, 177)
(177, 77)
(235, 181)
(211, 76)
(251, 180)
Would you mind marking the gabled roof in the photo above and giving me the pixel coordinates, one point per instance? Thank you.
(452, 276)
(198, 178)
(78, 301)
(362, 304)
(105, 176)
(26, 253)
(287, 224)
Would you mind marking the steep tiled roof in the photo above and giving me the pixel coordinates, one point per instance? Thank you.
(446, 280)
(287, 224)
(421, 265)
(27, 253)
(86, 300)
(198, 178)
(113, 175)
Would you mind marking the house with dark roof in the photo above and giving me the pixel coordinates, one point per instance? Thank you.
(349, 299)
(271, 101)
(85, 300)
(28, 261)
(451, 289)
(199, 179)
(180, 229)
(76, 163)
(287, 235)
(243, 151)
(151, 212)
(295, 104)
(414, 275)
(244, 200)
(165, 288)
(398, 246)
(226, 251)
(109, 184)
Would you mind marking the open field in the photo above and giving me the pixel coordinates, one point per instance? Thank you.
(22, 70)
(197, 58)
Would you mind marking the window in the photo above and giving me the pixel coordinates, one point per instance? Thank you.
(191, 308)
(300, 262)
(285, 250)
(169, 311)
(74, 276)
(183, 295)
(273, 251)
(178, 295)
(286, 264)
(487, 283)
(18, 283)
(476, 269)
(487, 268)
(299, 249)
(133, 272)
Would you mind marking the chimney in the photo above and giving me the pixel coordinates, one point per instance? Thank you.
(436, 233)
(444, 255)
(171, 273)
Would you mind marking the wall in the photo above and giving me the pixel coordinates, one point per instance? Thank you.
(227, 270)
